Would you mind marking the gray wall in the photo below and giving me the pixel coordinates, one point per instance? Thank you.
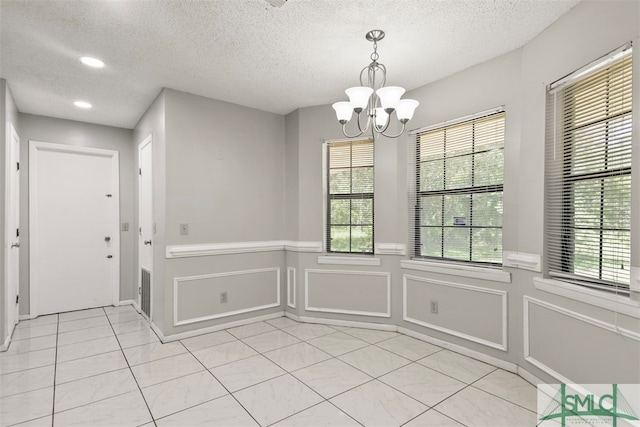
(292, 175)
(46, 129)
(572, 42)
(220, 168)
(225, 171)
(471, 309)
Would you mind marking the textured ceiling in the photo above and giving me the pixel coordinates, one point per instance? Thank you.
(248, 52)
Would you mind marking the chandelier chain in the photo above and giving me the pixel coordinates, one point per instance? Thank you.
(375, 55)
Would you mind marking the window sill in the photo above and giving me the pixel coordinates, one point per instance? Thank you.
(493, 274)
(348, 260)
(601, 299)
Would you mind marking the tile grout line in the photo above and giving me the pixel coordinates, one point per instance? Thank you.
(495, 395)
(94, 375)
(432, 408)
(324, 399)
(429, 407)
(130, 370)
(292, 372)
(55, 371)
(467, 385)
(286, 372)
(220, 382)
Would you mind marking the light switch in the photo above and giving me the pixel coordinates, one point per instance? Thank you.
(125, 226)
(184, 229)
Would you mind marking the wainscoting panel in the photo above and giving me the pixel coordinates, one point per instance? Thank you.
(584, 349)
(291, 287)
(474, 313)
(199, 298)
(363, 293)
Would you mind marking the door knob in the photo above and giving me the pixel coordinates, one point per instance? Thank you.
(15, 245)
(147, 242)
(107, 239)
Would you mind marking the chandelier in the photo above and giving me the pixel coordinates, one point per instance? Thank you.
(374, 100)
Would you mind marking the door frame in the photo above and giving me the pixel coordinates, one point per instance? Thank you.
(147, 141)
(9, 233)
(35, 147)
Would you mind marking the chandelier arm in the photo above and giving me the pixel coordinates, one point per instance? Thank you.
(344, 132)
(381, 129)
(393, 136)
(366, 127)
(362, 73)
(384, 74)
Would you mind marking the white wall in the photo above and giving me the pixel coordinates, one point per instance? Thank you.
(8, 118)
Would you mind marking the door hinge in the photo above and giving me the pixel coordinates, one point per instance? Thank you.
(139, 290)
(17, 232)
(139, 171)
(17, 298)
(17, 166)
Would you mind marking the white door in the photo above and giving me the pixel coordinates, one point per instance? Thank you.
(73, 212)
(12, 233)
(145, 232)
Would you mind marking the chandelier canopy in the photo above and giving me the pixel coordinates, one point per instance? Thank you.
(374, 99)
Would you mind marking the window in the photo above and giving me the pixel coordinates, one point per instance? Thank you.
(457, 208)
(588, 174)
(349, 180)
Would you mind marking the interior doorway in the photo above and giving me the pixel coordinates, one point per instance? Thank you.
(73, 223)
(12, 229)
(145, 231)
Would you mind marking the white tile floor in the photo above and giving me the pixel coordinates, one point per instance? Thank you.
(106, 367)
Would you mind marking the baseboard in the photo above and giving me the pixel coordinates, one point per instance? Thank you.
(5, 346)
(507, 366)
(348, 323)
(292, 316)
(26, 317)
(159, 333)
(216, 328)
(136, 306)
(529, 377)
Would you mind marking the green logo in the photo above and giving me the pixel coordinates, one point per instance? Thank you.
(594, 409)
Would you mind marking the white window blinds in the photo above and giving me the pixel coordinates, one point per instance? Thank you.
(349, 169)
(456, 203)
(588, 174)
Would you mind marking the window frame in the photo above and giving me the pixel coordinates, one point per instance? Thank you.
(328, 197)
(568, 178)
(416, 194)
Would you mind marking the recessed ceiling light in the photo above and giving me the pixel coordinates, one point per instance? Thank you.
(92, 62)
(82, 104)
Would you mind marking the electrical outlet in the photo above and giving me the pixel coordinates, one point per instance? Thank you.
(223, 297)
(184, 229)
(434, 306)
